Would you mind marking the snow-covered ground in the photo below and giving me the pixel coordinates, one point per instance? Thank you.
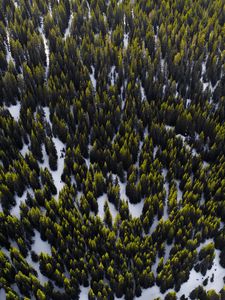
(15, 211)
(143, 95)
(68, 29)
(92, 77)
(43, 279)
(197, 279)
(46, 46)
(84, 293)
(47, 114)
(8, 48)
(135, 209)
(39, 245)
(2, 294)
(166, 187)
(24, 150)
(101, 201)
(155, 151)
(113, 75)
(57, 174)
(89, 10)
(179, 192)
(15, 111)
(125, 36)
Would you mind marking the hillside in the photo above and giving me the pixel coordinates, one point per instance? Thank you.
(112, 149)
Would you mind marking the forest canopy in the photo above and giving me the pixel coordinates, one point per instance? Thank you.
(112, 149)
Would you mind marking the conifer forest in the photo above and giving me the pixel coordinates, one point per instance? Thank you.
(112, 149)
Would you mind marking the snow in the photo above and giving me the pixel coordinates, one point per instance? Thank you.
(8, 48)
(136, 209)
(25, 150)
(122, 186)
(196, 279)
(150, 293)
(50, 9)
(93, 80)
(39, 245)
(154, 225)
(169, 127)
(87, 161)
(15, 211)
(125, 35)
(101, 201)
(16, 5)
(179, 192)
(67, 31)
(205, 164)
(166, 187)
(44, 164)
(57, 174)
(162, 64)
(155, 151)
(167, 252)
(143, 95)
(46, 46)
(113, 75)
(188, 103)
(84, 293)
(47, 114)
(89, 10)
(2, 294)
(125, 40)
(43, 279)
(15, 111)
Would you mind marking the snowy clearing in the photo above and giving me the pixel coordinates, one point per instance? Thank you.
(39, 245)
(15, 211)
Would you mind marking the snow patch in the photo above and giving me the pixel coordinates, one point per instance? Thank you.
(68, 29)
(15, 111)
(47, 114)
(2, 294)
(125, 35)
(135, 209)
(179, 192)
(39, 245)
(57, 174)
(92, 77)
(188, 103)
(101, 202)
(143, 95)
(24, 150)
(43, 279)
(125, 40)
(166, 187)
(8, 48)
(46, 46)
(113, 75)
(84, 293)
(15, 211)
(155, 151)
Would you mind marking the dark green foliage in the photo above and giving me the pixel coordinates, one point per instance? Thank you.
(111, 173)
